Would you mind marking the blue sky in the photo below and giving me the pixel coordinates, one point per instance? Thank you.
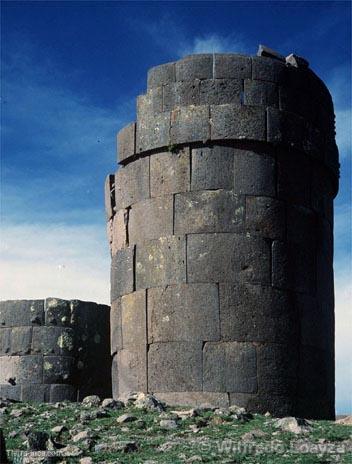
(70, 74)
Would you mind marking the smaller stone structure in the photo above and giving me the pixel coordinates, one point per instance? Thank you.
(54, 350)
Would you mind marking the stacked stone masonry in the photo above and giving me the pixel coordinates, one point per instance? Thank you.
(220, 223)
(54, 350)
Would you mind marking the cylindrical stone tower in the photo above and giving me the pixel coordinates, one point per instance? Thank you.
(54, 350)
(220, 222)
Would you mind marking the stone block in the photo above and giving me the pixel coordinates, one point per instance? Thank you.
(254, 173)
(229, 366)
(270, 53)
(161, 262)
(126, 142)
(257, 313)
(261, 93)
(208, 211)
(57, 312)
(169, 172)
(5, 341)
(150, 103)
(294, 178)
(29, 369)
(231, 66)
(134, 319)
(35, 393)
(53, 340)
(21, 340)
(278, 406)
(151, 219)
(161, 75)
(14, 313)
(187, 312)
(212, 168)
(181, 94)
(62, 393)
(265, 217)
(277, 369)
(115, 327)
(322, 192)
(175, 366)
(228, 258)
(153, 131)
(8, 369)
(114, 378)
(301, 225)
(314, 373)
(132, 183)
(132, 369)
(190, 124)
(122, 272)
(220, 91)
(230, 122)
(294, 267)
(194, 399)
(11, 392)
(267, 69)
(195, 67)
(109, 194)
(119, 228)
(58, 369)
(286, 128)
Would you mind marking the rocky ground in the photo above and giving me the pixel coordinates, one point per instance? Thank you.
(143, 430)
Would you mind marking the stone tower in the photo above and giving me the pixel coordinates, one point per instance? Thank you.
(220, 222)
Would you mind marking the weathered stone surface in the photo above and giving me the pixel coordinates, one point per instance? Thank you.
(266, 69)
(132, 369)
(231, 66)
(187, 312)
(195, 399)
(132, 183)
(263, 50)
(277, 405)
(190, 124)
(261, 93)
(301, 225)
(265, 217)
(297, 61)
(293, 267)
(133, 318)
(5, 341)
(62, 393)
(212, 168)
(21, 369)
(294, 178)
(36, 394)
(181, 94)
(150, 103)
(115, 326)
(161, 262)
(126, 142)
(227, 258)
(153, 131)
(109, 194)
(53, 340)
(194, 67)
(254, 173)
(11, 392)
(151, 219)
(208, 211)
(169, 172)
(57, 312)
(256, 313)
(57, 369)
(277, 369)
(119, 229)
(313, 373)
(161, 75)
(21, 312)
(229, 366)
(220, 91)
(175, 366)
(122, 272)
(237, 122)
(21, 339)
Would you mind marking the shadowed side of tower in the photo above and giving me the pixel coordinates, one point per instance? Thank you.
(220, 223)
